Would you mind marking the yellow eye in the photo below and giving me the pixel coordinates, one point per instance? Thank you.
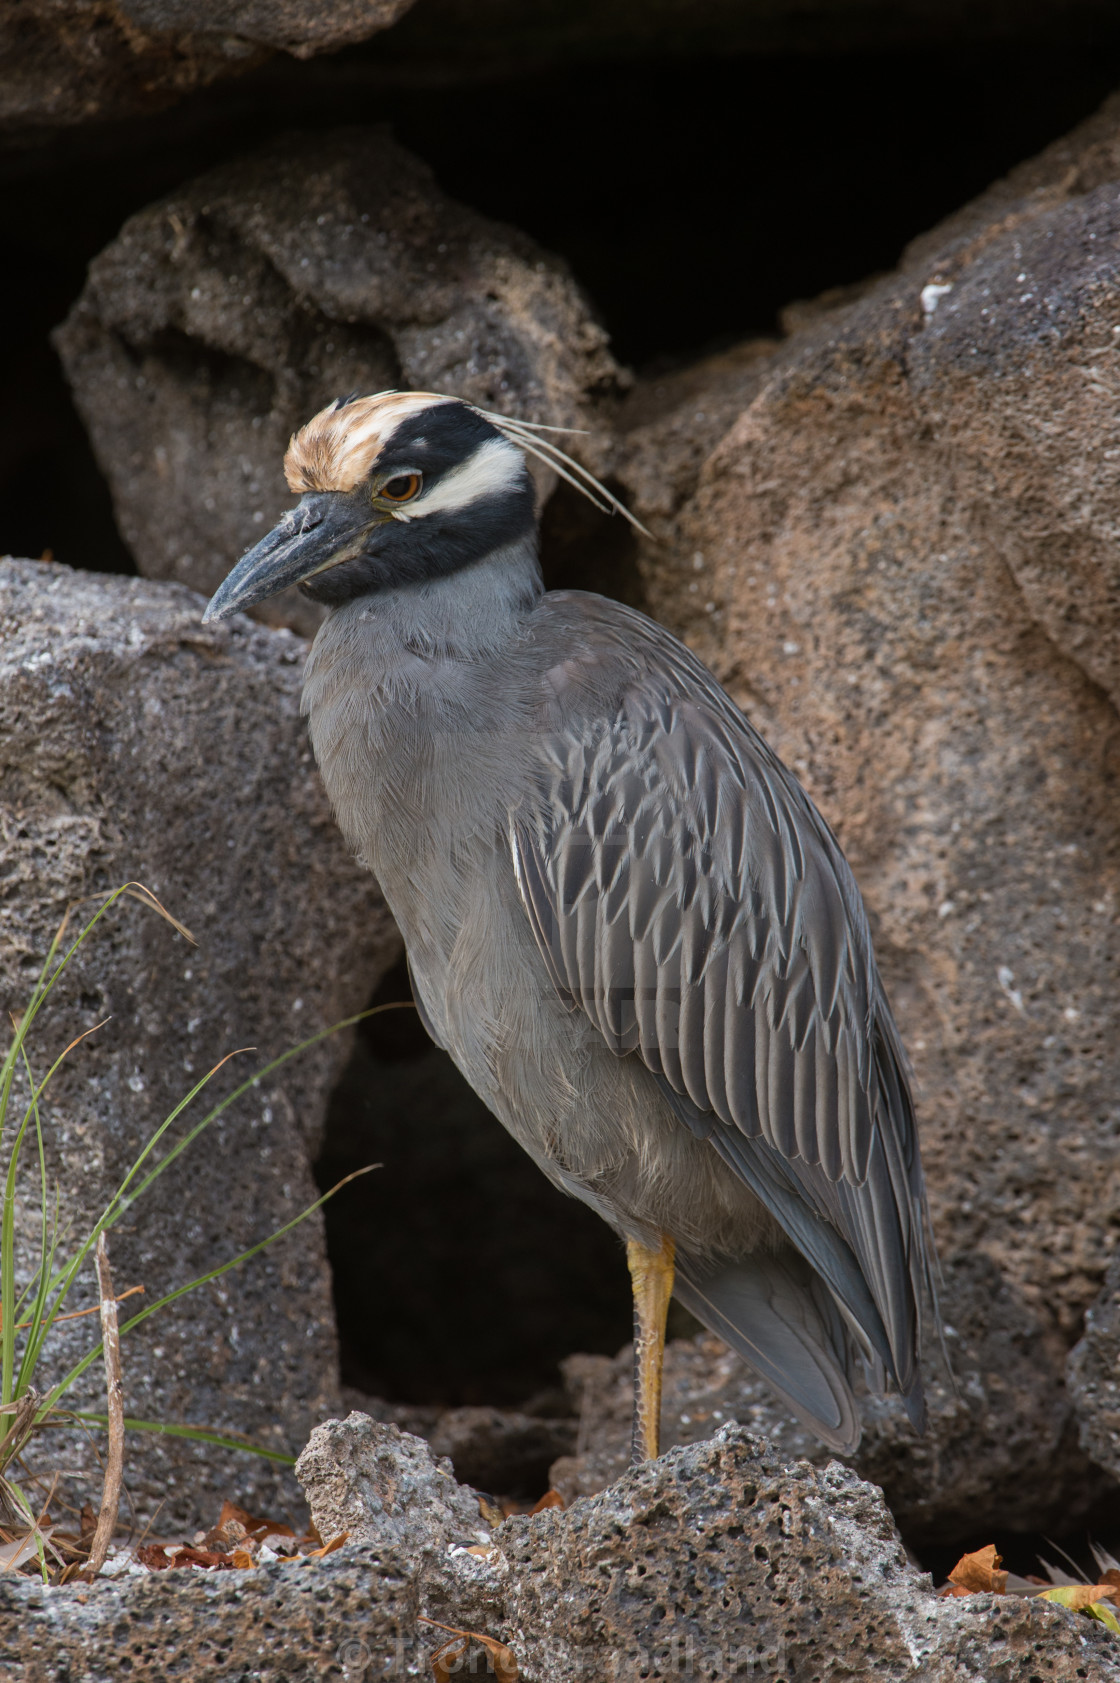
(402, 489)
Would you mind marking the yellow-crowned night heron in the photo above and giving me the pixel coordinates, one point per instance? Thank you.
(625, 920)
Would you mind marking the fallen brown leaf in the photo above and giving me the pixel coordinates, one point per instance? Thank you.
(158, 1558)
(236, 1527)
(979, 1572)
(502, 1662)
(448, 1658)
(327, 1548)
(154, 1556)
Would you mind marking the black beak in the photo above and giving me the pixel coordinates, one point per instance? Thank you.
(321, 531)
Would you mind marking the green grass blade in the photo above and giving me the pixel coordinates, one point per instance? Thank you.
(8, 1269)
(39, 1316)
(122, 1198)
(48, 978)
(75, 1373)
(32, 1284)
(61, 1282)
(43, 986)
(198, 1434)
(247, 1085)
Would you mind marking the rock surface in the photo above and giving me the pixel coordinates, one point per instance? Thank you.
(1094, 1375)
(896, 546)
(136, 744)
(383, 1488)
(226, 315)
(718, 1560)
(76, 61)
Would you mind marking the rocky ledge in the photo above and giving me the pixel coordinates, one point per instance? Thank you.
(717, 1561)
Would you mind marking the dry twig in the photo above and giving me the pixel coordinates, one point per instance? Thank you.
(114, 1465)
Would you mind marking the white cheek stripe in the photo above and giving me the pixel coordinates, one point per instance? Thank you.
(495, 466)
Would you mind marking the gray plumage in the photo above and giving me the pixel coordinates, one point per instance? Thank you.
(640, 942)
(591, 854)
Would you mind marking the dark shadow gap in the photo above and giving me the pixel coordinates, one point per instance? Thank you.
(461, 1275)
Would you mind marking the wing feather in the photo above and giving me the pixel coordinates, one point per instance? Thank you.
(683, 888)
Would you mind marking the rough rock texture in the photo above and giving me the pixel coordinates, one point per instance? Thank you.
(135, 744)
(73, 61)
(718, 1560)
(382, 1487)
(278, 1624)
(721, 1560)
(1094, 1375)
(223, 317)
(900, 556)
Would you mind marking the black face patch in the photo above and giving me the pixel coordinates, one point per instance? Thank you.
(400, 553)
(435, 440)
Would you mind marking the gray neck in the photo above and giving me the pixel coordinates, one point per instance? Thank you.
(411, 690)
(468, 615)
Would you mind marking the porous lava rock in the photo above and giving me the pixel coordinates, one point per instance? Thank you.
(64, 62)
(384, 1487)
(138, 745)
(720, 1559)
(279, 1623)
(224, 316)
(1094, 1375)
(899, 555)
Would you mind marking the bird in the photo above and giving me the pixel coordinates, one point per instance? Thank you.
(625, 919)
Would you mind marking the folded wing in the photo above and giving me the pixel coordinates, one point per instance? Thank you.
(687, 895)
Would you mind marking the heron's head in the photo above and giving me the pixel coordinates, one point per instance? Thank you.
(394, 489)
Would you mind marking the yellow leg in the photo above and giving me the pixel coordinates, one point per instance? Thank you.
(651, 1278)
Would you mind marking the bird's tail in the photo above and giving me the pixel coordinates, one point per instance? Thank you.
(777, 1312)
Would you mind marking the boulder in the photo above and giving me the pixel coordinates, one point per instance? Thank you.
(720, 1559)
(1094, 1375)
(899, 555)
(137, 744)
(223, 317)
(383, 1487)
(76, 61)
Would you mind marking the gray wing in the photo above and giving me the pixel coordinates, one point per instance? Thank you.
(685, 893)
(783, 1320)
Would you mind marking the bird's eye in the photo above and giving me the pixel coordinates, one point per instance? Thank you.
(401, 489)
